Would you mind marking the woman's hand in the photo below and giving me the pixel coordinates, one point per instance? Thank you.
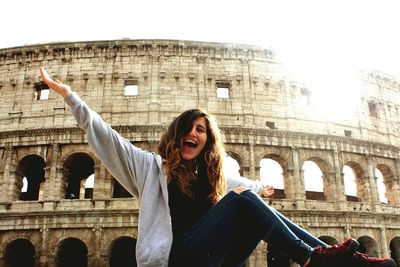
(267, 191)
(56, 85)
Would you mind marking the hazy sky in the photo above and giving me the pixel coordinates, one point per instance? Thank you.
(319, 39)
(324, 42)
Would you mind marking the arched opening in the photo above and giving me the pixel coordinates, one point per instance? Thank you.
(275, 258)
(385, 181)
(231, 167)
(79, 167)
(20, 253)
(122, 252)
(119, 191)
(350, 184)
(368, 246)
(395, 249)
(71, 252)
(355, 180)
(381, 186)
(31, 175)
(271, 173)
(313, 181)
(235, 161)
(328, 240)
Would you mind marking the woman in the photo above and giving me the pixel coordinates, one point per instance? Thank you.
(190, 214)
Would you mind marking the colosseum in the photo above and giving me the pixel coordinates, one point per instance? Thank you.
(59, 206)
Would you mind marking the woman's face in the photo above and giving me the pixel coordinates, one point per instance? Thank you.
(193, 143)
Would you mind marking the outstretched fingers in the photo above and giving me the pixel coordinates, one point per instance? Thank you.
(56, 85)
(46, 77)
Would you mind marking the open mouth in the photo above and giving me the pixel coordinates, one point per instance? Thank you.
(190, 143)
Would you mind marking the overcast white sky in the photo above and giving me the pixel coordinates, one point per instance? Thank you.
(324, 39)
(324, 42)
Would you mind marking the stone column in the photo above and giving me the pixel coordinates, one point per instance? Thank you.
(393, 191)
(296, 178)
(47, 187)
(247, 103)
(252, 164)
(395, 187)
(8, 153)
(203, 81)
(329, 186)
(339, 192)
(154, 100)
(384, 250)
(102, 183)
(43, 257)
(97, 257)
(12, 185)
(374, 197)
(52, 183)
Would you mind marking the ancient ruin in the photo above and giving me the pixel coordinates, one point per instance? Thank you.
(59, 206)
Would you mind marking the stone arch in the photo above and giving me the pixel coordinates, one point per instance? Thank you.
(238, 159)
(360, 181)
(70, 151)
(19, 252)
(395, 249)
(283, 163)
(327, 179)
(282, 155)
(278, 158)
(328, 240)
(122, 252)
(388, 181)
(71, 252)
(239, 152)
(32, 168)
(78, 167)
(368, 246)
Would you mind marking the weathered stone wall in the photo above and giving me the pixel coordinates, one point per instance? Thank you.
(173, 76)
(265, 116)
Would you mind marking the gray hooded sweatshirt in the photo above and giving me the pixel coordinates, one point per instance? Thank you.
(142, 174)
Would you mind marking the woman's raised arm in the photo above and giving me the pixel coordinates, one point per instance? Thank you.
(56, 85)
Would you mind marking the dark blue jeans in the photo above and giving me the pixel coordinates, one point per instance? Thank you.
(228, 233)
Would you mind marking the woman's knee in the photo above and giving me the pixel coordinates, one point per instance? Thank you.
(240, 189)
(243, 197)
(254, 201)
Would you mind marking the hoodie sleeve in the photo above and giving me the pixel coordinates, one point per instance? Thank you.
(233, 181)
(126, 162)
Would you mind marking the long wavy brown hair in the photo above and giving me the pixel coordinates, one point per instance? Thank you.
(211, 158)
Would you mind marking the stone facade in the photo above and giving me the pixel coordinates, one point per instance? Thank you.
(261, 113)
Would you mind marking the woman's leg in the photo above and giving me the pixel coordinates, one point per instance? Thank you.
(300, 232)
(231, 230)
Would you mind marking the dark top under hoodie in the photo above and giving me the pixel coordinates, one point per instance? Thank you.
(186, 209)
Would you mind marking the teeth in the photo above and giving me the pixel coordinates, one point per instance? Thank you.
(190, 143)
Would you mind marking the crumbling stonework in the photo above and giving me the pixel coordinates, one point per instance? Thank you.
(261, 113)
